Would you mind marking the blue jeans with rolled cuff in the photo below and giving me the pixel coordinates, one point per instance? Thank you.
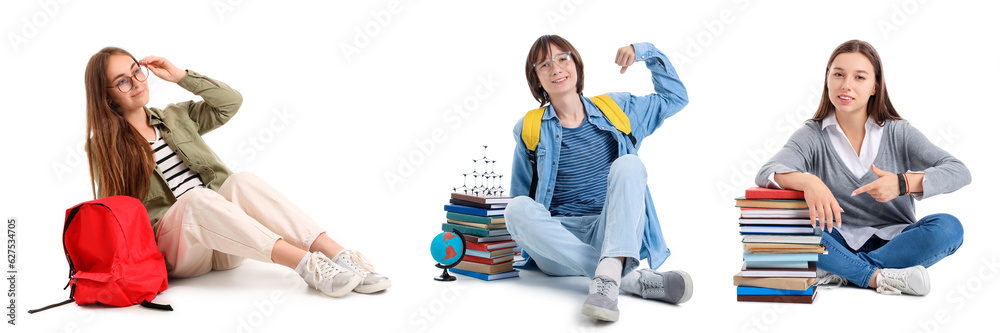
(923, 243)
(573, 246)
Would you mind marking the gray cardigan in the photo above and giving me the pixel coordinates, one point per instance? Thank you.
(903, 149)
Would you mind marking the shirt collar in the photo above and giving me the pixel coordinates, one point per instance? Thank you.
(588, 107)
(831, 120)
(154, 118)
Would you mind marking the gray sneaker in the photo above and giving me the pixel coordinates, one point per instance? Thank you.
(370, 281)
(602, 300)
(329, 278)
(673, 287)
(911, 280)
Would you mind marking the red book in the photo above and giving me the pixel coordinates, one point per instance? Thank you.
(491, 246)
(772, 193)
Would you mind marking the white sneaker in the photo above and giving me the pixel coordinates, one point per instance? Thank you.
(826, 278)
(330, 279)
(356, 262)
(911, 280)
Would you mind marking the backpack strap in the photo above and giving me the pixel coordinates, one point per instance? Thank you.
(51, 306)
(151, 305)
(614, 114)
(531, 128)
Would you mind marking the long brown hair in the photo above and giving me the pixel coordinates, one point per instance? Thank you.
(119, 155)
(879, 106)
(540, 49)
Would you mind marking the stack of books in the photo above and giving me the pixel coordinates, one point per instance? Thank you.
(489, 253)
(780, 247)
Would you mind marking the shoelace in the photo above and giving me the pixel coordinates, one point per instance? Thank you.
(604, 286)
(891, 283)
(647, 285)
(320, 266)
(830, 279)
(359, 262)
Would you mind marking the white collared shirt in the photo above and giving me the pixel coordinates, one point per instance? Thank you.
(861, 162)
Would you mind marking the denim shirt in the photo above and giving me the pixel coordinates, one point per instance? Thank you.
(646, 114)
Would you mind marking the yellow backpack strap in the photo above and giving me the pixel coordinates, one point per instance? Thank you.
(614, 114)
(531, 128)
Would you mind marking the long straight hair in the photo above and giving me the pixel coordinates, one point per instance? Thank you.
(879, 106)
(118, 153)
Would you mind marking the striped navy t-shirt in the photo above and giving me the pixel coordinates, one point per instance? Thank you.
(582, 177)
(179, 177)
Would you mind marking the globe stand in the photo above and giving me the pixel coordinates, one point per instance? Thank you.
(444, 274)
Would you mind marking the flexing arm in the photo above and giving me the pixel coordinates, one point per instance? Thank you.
(647, 113)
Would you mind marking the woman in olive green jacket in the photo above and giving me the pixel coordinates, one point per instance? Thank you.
(204, 216)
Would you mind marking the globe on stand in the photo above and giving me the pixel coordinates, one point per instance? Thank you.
(448, 249)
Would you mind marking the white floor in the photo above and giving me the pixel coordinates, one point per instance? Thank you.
(258, 297)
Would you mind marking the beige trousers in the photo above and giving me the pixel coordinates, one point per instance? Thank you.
(205, 230)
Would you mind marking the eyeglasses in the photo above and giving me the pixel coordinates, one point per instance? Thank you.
(561, 59)
(125, 84)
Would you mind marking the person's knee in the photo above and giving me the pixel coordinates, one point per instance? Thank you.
(950, 228)
(516, 210)
(629, 165)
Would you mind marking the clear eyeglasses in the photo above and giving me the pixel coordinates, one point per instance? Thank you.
(125, 84)
(561, 59)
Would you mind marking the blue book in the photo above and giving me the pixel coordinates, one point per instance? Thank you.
(473, 210)
(777, 264)
(486, 277)
(755, 257)
(744, 290)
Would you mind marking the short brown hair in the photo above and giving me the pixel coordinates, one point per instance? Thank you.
(879, 106)
(539, 50)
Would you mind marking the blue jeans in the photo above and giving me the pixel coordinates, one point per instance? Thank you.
(923, 243)
(572, 246)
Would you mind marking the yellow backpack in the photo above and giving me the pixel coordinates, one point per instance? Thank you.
(532, 125)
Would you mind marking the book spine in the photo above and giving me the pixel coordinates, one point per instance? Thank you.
(465, 230)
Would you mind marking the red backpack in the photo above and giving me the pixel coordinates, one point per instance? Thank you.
(112, 255)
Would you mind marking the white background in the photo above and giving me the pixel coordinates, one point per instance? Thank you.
(326, 129)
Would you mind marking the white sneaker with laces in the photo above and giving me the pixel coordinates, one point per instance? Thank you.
(826, 278)
(330, 279)
(911, 280)
(356, 262)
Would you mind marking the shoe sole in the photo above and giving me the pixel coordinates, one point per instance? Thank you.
(926, 277)
(355, 280)
(363, 289)
(599, 313)
(688, 286)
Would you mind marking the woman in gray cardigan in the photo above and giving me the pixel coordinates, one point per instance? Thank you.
(858, 159)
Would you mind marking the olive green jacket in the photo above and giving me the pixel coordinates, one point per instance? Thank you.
(182, 125)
